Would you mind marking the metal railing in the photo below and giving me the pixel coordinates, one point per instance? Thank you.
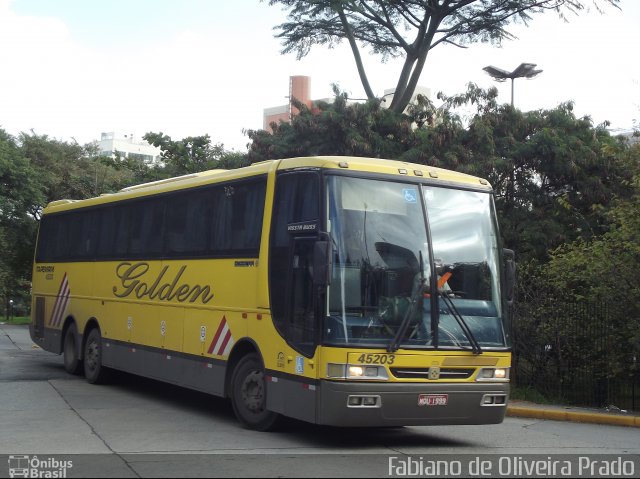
(576, 354)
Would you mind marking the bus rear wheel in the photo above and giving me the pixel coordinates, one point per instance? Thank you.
(94, 371)
(248, 395)
(72, 363)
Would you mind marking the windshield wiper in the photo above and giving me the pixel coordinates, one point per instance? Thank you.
(416, 299)
(475, 346)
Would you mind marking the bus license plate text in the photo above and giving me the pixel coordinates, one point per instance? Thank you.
(433, 399)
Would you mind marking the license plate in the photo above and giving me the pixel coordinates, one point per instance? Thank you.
(433, 399)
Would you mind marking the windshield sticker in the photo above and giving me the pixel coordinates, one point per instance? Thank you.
(410, 195)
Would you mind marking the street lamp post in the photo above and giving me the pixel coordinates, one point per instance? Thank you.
(525, 70)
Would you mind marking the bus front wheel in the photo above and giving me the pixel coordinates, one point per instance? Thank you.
(248, 395)
(94, 371)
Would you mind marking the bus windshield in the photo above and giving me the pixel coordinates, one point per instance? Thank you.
(381, 291)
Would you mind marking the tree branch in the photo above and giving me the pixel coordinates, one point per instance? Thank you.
(356, 54)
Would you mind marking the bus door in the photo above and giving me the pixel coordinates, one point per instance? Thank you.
(294, 234)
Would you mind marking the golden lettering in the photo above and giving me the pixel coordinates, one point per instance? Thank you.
(134, 282)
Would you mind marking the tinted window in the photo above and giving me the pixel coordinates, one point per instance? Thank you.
(145, 227)
(187, 217)
(236, 224)
(218, 220)
(68, 236)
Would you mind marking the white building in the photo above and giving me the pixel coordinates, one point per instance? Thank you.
(127, 147)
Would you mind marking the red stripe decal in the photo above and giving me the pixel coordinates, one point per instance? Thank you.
(64, 302)
(224, 343)
(58, 308)
(217, 335)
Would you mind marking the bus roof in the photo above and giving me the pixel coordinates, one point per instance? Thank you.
(350, 163)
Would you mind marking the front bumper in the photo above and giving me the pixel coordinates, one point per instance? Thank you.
(398, 404)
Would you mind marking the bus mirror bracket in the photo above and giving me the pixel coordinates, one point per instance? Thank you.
(509, 273)
(322, 261)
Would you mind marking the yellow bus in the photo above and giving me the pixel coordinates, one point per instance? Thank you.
(335, 290)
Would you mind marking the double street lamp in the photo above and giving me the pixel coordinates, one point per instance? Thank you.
(525, 70)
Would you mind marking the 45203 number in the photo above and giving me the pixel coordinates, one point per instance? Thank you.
(377, 358)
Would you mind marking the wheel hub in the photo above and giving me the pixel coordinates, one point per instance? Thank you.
(253, 392)
(92, 354)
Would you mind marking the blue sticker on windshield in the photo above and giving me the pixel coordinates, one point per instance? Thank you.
(410, 195)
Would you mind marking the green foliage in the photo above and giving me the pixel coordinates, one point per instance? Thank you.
(20, 197)
(189, 155)
(605, 268)
(578, 315)
(338, 128)
(16, 320)
(69, 170)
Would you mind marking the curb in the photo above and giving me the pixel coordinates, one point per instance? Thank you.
(575, 416)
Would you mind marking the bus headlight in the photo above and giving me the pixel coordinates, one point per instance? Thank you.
(356, 371)
(493, 374)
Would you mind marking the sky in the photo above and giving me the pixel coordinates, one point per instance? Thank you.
(72, 69)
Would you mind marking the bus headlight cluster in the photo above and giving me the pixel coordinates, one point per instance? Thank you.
(356, 371)
(493, 374)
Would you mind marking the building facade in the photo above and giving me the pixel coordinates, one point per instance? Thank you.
(127, 147)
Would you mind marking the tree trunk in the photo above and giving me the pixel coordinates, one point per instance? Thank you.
(356, 54)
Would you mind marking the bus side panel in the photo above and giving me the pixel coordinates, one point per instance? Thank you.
(193, 372)
(60, 291)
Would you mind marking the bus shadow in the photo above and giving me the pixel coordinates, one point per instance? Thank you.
(307, 435)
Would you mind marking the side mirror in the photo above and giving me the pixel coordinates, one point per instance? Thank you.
(509, 258)
(322, 263)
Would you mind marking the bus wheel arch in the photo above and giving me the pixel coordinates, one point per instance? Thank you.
(71, 346)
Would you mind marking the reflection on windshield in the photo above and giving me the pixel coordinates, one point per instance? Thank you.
(465, 249)
(379, 232)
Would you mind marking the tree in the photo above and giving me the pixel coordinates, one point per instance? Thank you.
(578, 315)
(406, 28)
(71, 171)
(189, 155)
(194, 154)
(337, 128)
(19, 193)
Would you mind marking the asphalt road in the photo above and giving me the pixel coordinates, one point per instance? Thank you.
(136, 427)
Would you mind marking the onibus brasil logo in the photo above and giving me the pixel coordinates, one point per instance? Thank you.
(27, 466)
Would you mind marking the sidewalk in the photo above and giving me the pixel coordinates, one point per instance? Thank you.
(517, 408)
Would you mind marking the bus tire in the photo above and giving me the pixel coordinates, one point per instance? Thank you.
(248, 395)
(94, 371)
(72, 363)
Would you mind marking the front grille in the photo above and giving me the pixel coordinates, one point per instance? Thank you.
(423, 373)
